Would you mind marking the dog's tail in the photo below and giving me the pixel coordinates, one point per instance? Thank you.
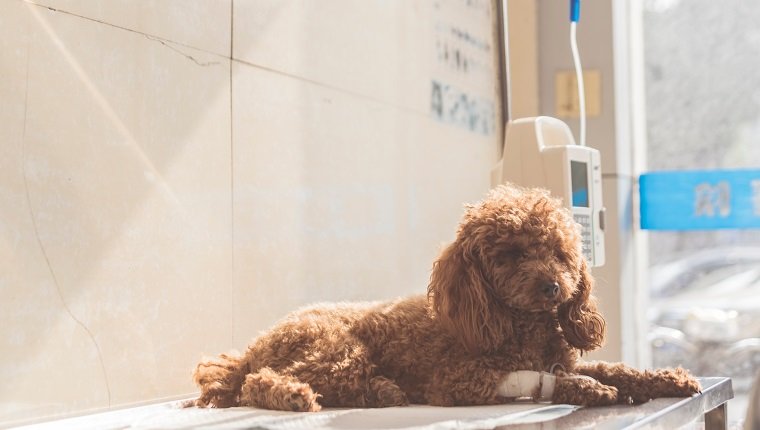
(220, 380)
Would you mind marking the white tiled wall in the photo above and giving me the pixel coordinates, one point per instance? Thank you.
(160, 200)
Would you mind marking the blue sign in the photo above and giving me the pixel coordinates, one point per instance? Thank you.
(700, 199)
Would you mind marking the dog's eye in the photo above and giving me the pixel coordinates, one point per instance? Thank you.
(512, 255)
(566, 258)
(516, 255)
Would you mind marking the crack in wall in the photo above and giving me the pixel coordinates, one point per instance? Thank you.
(25, 176)
(188, 56)
(161, 40)
(58, 290)
(231, 58)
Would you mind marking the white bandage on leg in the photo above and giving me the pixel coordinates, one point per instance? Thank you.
(526, 383)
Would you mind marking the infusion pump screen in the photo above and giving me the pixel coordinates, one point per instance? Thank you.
(579, 178)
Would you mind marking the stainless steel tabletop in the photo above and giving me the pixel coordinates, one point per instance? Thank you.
(670, 413)
(667, 413)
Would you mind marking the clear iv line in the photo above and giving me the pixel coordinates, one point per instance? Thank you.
(579, 77)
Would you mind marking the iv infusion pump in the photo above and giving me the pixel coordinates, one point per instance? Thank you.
(541, 152)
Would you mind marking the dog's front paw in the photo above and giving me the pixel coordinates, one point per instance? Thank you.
(584, 391)
(674, 383)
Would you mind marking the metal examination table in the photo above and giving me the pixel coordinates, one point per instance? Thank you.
(669, 413)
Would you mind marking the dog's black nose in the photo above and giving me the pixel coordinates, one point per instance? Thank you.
(550, 289)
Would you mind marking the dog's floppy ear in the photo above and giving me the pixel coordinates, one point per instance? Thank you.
(582, 325)
(461, 300)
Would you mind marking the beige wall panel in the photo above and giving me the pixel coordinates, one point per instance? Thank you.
(338, 197)
(116, 226)
(200, 24)
(124, 201)
(386, 50)
(33, 326)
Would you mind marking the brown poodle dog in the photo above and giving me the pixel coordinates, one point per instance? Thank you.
(513, 292)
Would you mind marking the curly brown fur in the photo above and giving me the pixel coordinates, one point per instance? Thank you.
(584, 391)
(639, 386)
(269, 389)
(512, 292)
(220, 379)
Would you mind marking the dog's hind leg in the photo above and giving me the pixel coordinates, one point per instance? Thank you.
(220, 380)
(341, 370)
(271, 390)
(383, 393)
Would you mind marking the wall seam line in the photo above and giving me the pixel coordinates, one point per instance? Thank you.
(232, 178)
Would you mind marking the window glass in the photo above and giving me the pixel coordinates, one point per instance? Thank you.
(703, 112)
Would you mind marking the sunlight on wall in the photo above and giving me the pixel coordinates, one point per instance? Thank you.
(169, 193)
